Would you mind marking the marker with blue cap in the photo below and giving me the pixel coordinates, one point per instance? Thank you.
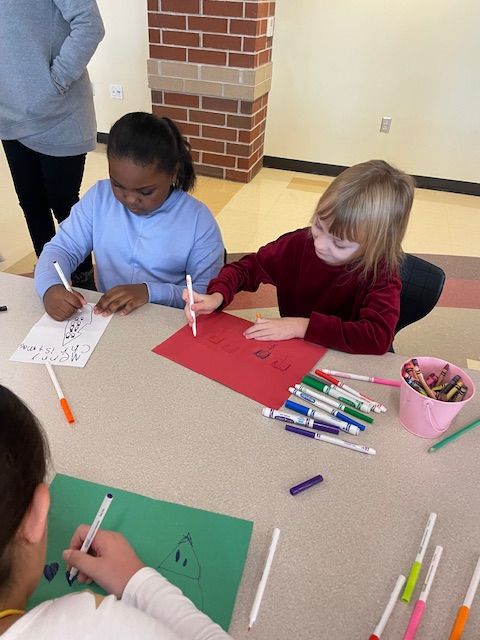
(323, 406)
(321, 416)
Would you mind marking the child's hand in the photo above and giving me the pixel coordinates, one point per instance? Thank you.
(123, 299)
(110, 562)
(60, 303)
(277, 329)
(203, 303)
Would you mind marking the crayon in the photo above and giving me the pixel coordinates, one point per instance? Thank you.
(421, 379)
(443, 373)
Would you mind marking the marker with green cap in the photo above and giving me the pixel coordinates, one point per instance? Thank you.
(417, 564)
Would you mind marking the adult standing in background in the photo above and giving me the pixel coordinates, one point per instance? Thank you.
(47, 117)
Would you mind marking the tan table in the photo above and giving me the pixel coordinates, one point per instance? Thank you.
(148, 425)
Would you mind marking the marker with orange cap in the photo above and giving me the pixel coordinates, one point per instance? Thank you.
(464, 610)
(64, 404)
(388, 609)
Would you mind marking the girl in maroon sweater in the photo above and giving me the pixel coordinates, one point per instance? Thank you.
(338, 280)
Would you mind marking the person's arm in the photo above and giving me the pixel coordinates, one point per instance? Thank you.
(247, 274)
(86, 31)
(71, 244)
(150, 592)
(115, 566)
(204, 261)
(374, 330)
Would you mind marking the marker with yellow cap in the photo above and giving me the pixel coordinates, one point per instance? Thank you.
(417, 564)
(464, 610)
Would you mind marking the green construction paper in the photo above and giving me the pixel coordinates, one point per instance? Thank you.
(201, 552)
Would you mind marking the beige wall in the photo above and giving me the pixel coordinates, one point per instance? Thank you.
(121, 58)
(339, 66)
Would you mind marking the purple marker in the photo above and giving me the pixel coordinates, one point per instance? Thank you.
(305, 485)
(300, 420)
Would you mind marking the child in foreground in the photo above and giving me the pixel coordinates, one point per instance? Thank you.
(143, 604)
(146, 232)
(337, 281)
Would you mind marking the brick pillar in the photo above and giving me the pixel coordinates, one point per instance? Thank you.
(210, 71)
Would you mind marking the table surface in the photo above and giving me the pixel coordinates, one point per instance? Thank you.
(148, 425)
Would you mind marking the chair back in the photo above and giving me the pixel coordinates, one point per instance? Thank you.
(422, 284)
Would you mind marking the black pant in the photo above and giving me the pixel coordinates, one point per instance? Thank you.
(45, 185)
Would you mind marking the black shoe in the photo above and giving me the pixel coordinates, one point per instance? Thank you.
(84, 280)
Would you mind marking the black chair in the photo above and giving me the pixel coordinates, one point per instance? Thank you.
(422, 284)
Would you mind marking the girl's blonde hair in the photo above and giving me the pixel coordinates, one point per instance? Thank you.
(370, 203)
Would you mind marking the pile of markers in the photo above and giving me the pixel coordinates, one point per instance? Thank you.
(434, 385)
(421, 603)
(334, 407)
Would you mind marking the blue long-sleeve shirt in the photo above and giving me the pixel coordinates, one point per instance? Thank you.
(157, 249)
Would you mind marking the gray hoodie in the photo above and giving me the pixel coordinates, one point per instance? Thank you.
(46, 98)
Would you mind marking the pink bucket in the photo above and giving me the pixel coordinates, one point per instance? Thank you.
(427, 417)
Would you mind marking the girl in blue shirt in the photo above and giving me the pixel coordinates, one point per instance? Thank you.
(146, 232)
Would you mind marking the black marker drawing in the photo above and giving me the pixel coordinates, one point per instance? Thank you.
(50, 571)
(74, 325)
(184, 563)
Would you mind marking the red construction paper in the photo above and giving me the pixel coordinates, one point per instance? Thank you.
(259, 370)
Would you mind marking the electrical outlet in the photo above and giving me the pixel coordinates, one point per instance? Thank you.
(116, 91)
(270, 26)
(385, 124)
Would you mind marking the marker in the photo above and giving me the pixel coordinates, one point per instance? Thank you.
(65, 282)
(342, 385)
(317, 415)
(92, 532)
(333, 403)
(340, 443)
(305, 485)
(417, 563)
(388, 609)
(356, 376)
(263, 581)
(464, 610)
(421, 603)
(63, 402)
(353, 427)
(300, 420)
(338, 394)
(457, 434)
(190, 297)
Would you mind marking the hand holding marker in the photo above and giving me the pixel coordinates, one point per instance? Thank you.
(95, 526)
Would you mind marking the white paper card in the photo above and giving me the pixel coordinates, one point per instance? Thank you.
(69, 343)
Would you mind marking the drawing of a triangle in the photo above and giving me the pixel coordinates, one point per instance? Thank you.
(182, 560)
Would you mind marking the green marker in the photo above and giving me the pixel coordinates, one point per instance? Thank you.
(337, 394)
(417, 564)
(333, 403)
(458, 433)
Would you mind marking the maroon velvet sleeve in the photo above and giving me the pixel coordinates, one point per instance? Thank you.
(372, 333)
